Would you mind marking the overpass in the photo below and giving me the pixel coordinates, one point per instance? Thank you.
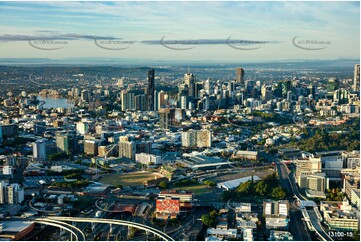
(74, 231)
(146, 228)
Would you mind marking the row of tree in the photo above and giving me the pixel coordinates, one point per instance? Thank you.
(74, 184)
(210, 219)
(269, 187)
(323, 140)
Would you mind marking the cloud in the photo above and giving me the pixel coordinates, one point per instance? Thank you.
(164, 40)
(70, 36)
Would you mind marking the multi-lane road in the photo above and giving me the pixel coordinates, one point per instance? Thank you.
(298, 228)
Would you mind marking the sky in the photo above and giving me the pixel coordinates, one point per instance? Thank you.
(181, 31)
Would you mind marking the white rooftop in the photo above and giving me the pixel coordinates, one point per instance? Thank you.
(229, 185)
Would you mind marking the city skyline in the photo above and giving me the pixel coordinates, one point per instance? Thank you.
(179, 121)
(181, 31)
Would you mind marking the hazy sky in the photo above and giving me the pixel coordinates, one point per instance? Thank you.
(199, 29)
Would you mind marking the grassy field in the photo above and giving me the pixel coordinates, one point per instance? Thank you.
(261, 173)
(203, 192)
(197, 189)
(131, 179)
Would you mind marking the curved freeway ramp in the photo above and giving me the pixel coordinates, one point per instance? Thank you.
(78, 234)
(147, 228)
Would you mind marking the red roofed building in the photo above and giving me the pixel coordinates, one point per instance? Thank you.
(173, 202)
(168, 206)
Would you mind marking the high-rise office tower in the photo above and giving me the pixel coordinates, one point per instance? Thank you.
(312, 90)
(162, 99)
(183, 102)
(332, 85)
(240, 75)
(190, 80)
(120, 83)
(91, 147)
(231, 86)
(82, 127)
(182, 90)
(140, 102)
(356, 78)
(128, 101)
(266, 93)
(15, 194)
(150, 90)
(2, 192)
(84, 95)
(198, 87)
(156, 100)
(207, 86)
(128, 149)
(39, 127)
(285, 86)
(39, 149)
(166, 117)
(67, 141)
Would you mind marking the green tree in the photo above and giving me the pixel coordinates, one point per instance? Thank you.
(278, 192)
(163, 184)
(210, 220)
(261, 188)
(210, 183)
(245, 188)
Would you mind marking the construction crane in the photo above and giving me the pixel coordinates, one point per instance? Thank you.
(105, 157)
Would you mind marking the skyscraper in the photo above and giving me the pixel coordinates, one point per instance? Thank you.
(140, 102)
(166, 117)
(150, 90)
(240, 75)
(190, 80)
(120, 83)
(285, 86)
(128, 101)
(15, 194)
(162, 99)
(207, 86)
(2, 192)
(67, 141)
(332, 85)
(356, 78)
(39, 149)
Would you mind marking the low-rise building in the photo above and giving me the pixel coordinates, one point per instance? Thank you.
(247, 234)
(289, 152)
(246, 154)
(172, 202)
(15, 230)
(222, 233)
(339, 215)
(276, 214)
(243, 207)
(276, 235)
(232, 184)
(351, 159)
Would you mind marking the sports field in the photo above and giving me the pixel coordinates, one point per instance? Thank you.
(197, 189)
(130, 179)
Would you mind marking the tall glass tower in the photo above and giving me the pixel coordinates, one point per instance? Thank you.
(150, 90)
